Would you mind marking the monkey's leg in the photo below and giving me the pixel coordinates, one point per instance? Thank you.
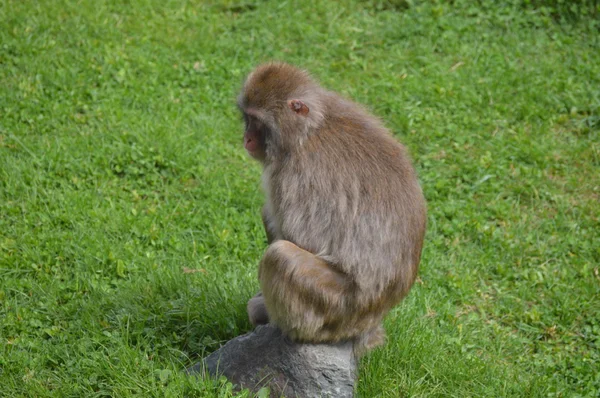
(257, 311)
(307, 298)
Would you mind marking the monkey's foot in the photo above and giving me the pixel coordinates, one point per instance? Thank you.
(257, 311)
(266, 358)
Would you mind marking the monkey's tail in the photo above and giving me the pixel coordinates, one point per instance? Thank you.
(369, 340)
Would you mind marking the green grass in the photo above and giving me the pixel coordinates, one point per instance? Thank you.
(129, 212)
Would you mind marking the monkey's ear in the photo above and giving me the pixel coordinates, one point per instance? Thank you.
(298, 106)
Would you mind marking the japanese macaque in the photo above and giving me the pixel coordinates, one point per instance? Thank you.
(344, 214)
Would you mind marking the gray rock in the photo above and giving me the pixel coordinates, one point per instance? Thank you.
(266, 358)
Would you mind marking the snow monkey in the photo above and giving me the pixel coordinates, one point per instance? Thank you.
(344, 214)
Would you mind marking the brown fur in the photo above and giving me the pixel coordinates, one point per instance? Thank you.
(344, 213)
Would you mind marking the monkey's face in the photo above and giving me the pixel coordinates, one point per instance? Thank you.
(267, 132)
(255, 136)
(274, 109)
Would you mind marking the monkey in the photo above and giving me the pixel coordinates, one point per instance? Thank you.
(344, 213)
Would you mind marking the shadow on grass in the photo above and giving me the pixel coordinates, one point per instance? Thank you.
(173, 315)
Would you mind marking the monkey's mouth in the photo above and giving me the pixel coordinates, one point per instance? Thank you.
(254, 142)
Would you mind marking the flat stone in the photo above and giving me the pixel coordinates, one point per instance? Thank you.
(266, 358)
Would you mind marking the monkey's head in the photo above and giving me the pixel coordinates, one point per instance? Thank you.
(280, 104)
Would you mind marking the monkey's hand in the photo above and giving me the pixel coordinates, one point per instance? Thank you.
(257, 311)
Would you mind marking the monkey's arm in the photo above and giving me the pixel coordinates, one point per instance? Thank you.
(257, 311)
(268, 224)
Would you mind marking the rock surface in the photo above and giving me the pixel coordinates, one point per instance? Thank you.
(266, 358)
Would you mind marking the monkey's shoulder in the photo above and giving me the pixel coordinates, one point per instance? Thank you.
(351, 153)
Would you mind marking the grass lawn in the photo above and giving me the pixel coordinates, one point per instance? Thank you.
(129, 212)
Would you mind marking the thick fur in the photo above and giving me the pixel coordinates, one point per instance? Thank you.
(344, 212)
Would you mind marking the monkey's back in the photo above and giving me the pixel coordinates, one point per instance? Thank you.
(354, 185)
